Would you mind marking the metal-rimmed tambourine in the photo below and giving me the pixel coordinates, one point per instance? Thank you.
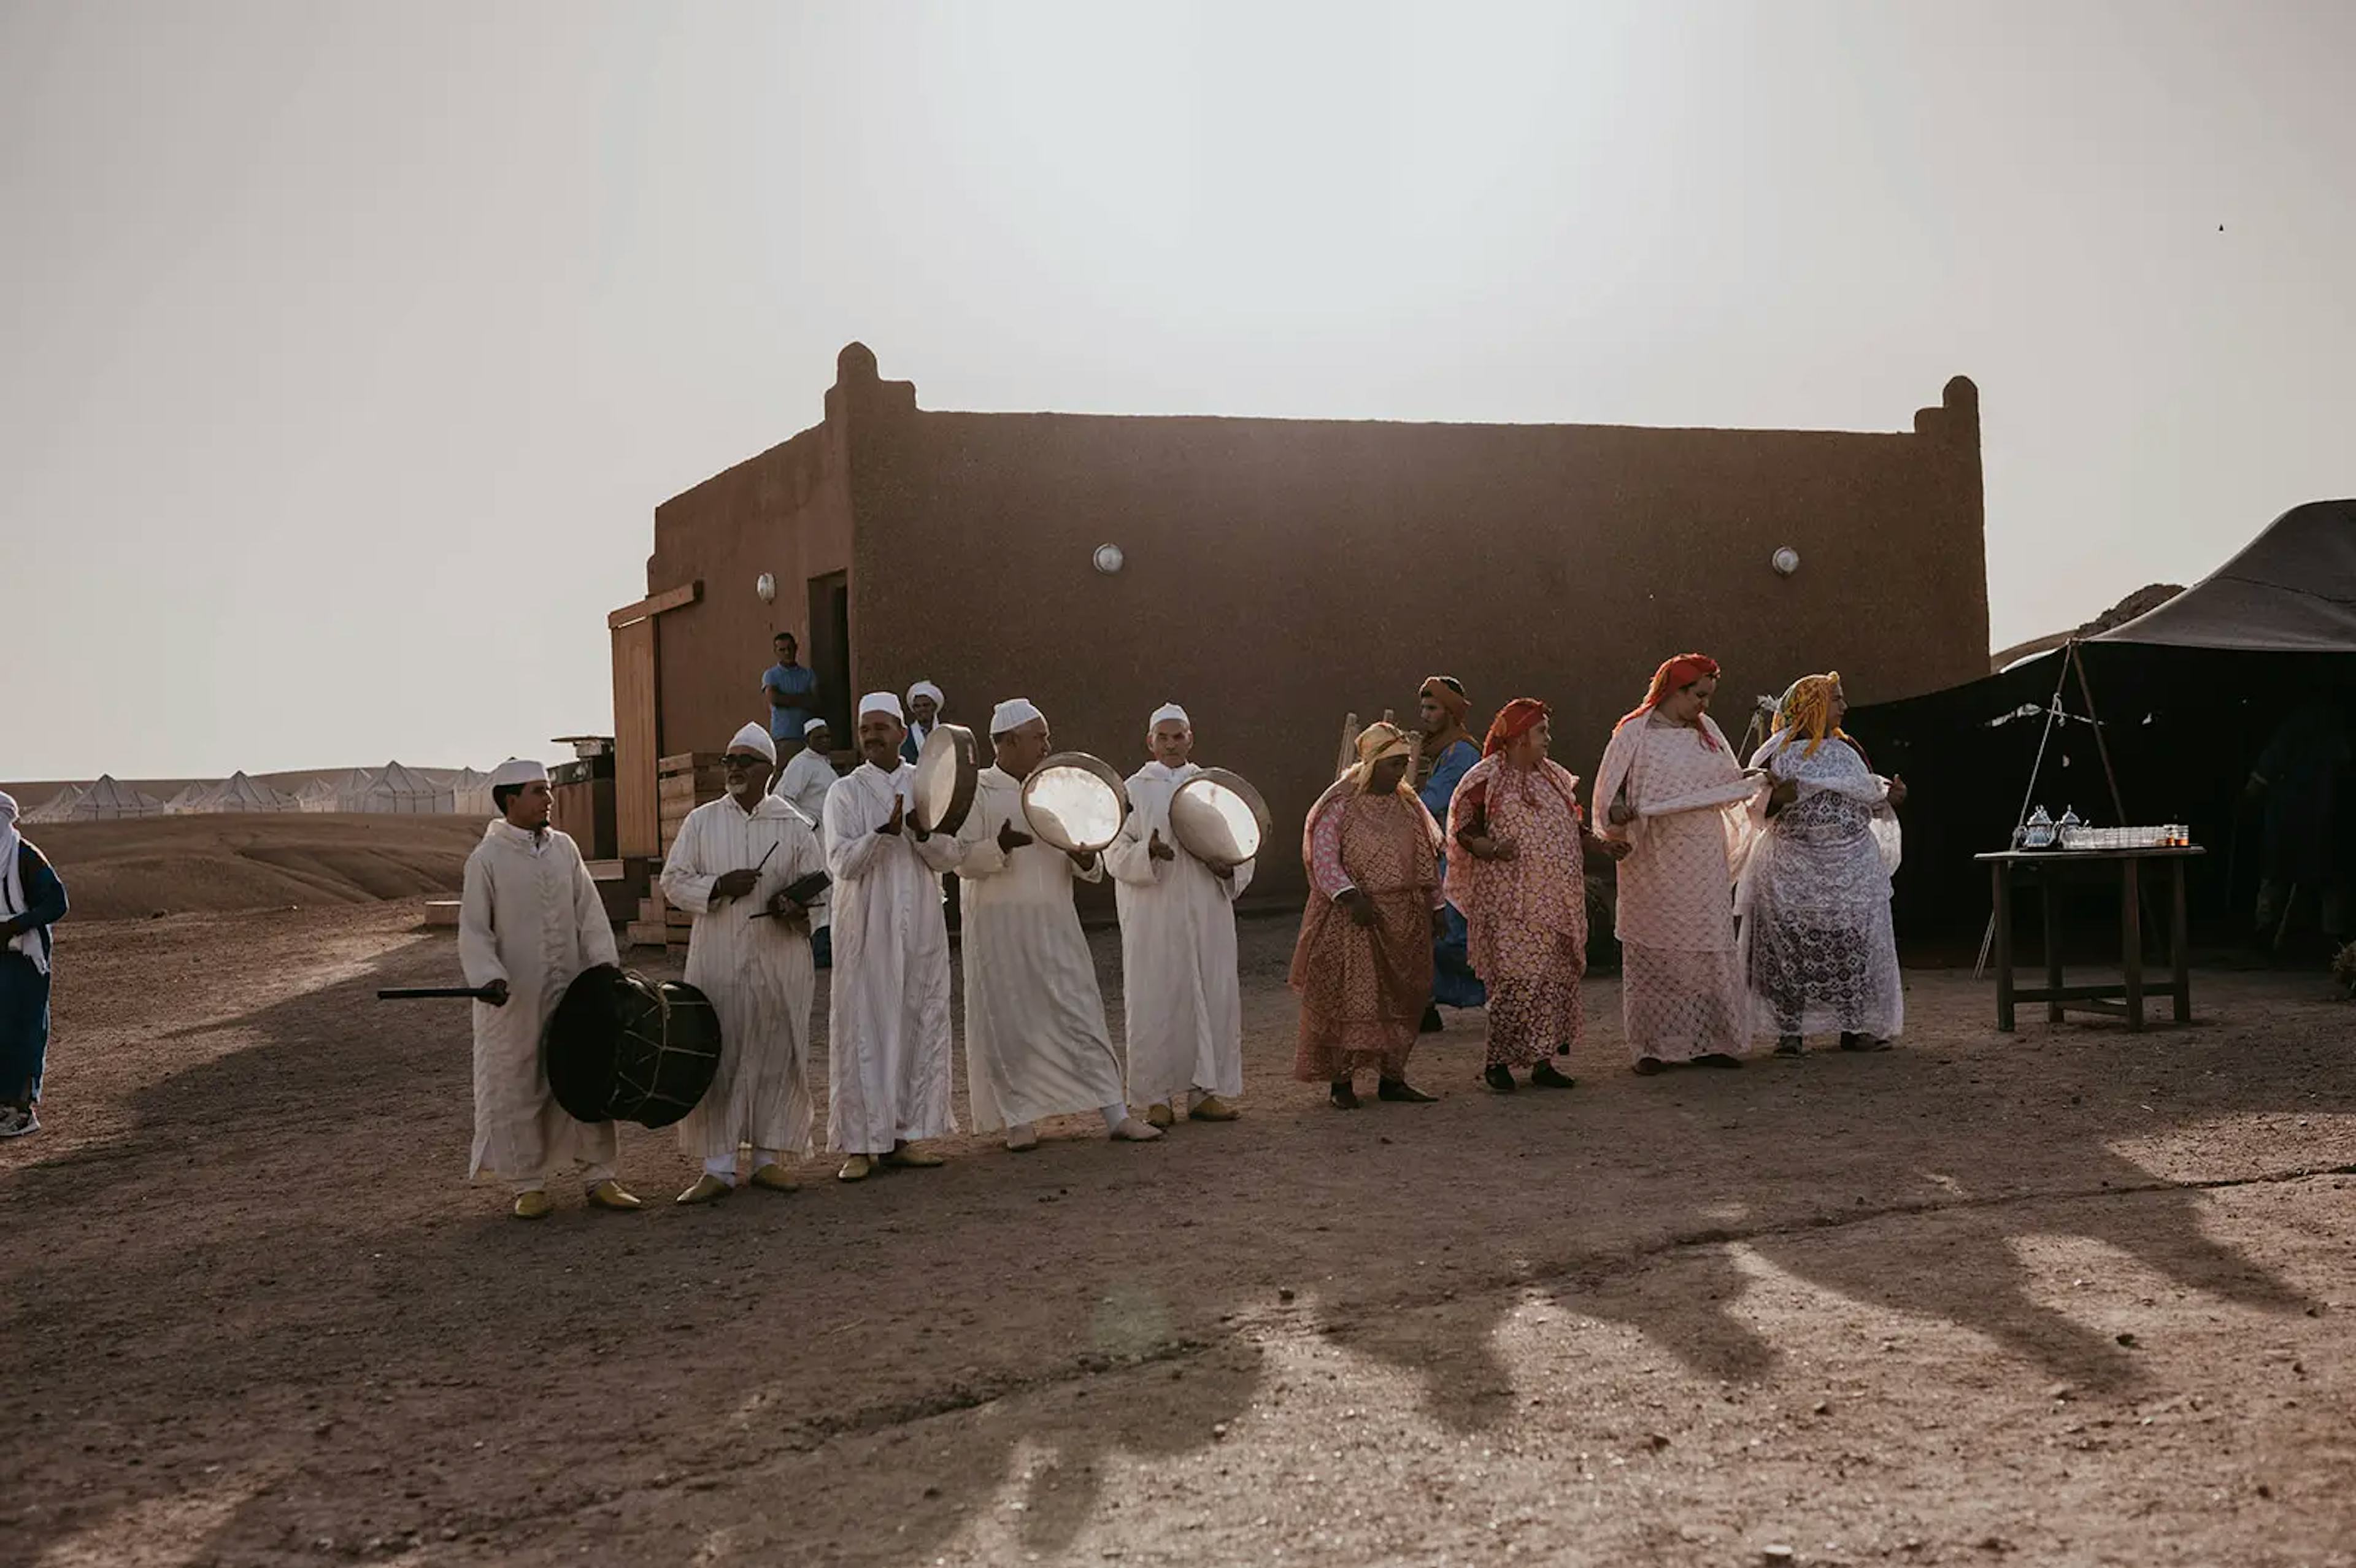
(1074, 803)
(1219, 819)
(947, 771)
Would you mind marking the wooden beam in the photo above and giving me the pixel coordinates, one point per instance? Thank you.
(655, 604)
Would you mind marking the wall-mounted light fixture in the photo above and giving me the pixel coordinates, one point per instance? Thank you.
(767, 588)
(1785, 561)
(1108, 558)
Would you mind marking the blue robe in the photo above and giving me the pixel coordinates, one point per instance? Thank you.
(25, 985)
(1453, 984)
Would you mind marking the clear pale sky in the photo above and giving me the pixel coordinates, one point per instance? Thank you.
(350, 347)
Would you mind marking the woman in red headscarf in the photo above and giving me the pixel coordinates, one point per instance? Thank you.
(1516, 868)
(1670, 788)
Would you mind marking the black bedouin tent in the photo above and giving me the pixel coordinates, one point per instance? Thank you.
(2186, 698)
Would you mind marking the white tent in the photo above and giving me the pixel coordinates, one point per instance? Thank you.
(470, 793)
(319, 794)
(58, 807)
(240, 792)
(190, 800)
(110, 801)
(405, 792)
(351, 792)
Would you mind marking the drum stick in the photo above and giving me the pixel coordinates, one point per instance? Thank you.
(424, 993)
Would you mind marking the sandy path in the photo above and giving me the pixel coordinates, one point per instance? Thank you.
(1870, 1308)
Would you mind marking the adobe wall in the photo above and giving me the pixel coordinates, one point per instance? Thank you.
(785, 512)
(1279, 573)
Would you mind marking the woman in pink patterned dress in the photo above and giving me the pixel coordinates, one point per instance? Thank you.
(1520, 881)
(1678, 798)
(1363, 964)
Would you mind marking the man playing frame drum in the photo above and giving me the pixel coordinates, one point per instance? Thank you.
(1034, 1021)
(1177, 945)
(888, 1026)
(750, 954)
(528, 921)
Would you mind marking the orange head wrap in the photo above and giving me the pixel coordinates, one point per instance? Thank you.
(1514, 720)
(1675, 674)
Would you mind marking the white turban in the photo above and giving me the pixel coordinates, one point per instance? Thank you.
(1012, 714)
(812, 728)
(755, 738)
(881, 702)
(515, 771)
(1168, 710)
(927, 688)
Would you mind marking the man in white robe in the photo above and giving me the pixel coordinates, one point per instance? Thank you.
(1184, 1009)
(803, 785)
(749, 952)
(888, 1025)
(529, 922)
(1034, 1020)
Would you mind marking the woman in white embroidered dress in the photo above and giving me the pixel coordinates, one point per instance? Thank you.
(1670, 787)
(1817, 940)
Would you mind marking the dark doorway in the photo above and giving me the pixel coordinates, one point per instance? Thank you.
(829, 650)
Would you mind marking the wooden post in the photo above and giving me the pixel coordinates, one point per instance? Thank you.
(2131, 937)
(2000, 871)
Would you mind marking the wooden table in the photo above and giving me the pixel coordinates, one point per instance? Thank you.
(2124, 999)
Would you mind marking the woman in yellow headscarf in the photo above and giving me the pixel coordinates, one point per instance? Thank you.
(1364, 963)
(1817, 949)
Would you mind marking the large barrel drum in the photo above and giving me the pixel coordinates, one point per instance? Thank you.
(623, 1047)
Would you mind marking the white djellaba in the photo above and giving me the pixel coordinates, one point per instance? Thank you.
(1182, 1006)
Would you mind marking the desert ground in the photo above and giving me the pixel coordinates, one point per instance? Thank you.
(2068, 1296)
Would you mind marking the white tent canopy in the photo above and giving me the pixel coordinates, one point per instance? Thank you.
(403, 791)
(190, 800)
(470, 793)
(109, 800)
(58, 807)
(240, 792)
(319, 794)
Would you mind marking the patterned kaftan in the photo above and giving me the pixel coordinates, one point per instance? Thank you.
(1363, 989)
(1817, 940)
(1526, 917)
(1681, 984)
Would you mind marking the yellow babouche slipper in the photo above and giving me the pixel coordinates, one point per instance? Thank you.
(855, 1169)
(1214, 1109)
(776, 1178)
(707, 1188)
(1159, 1115)
(610, 1194)
(532, 1205)
(913, 1157)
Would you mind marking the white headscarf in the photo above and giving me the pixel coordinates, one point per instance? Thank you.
(881, 702)
(12, 885)
(927, 688)
(1012, 714)
(755, 738)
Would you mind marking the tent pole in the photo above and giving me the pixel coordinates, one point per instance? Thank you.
(2052, 716)
(2102, 749)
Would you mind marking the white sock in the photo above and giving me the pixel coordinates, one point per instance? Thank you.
(762, 1157)
(1114, 1116)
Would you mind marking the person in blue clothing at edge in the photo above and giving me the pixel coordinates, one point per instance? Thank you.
(791, 689)
(32, 899)
(1448, 754)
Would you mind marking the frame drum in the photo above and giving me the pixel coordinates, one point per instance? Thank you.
(947, 773)
(1219, 818)
(1074, 803)
(622, 1047)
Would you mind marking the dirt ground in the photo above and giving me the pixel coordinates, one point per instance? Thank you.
(2070, 1296)
(219, 863)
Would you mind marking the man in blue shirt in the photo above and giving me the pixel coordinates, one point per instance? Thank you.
(790, 689)
(1448, 755)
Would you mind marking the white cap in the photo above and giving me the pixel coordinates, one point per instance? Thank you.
(881, 702)
(812, 728)
(1168, 710)
(926, 689)
(1012, 714)
(755, 738)
(515, 771)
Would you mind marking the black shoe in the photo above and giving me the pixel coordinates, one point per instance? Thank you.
(1717, 1059)
(1789, 1045)
(1648, 1065)
(1544, 1077)
(1400, 1092)
(1345, 1094)
(1500, 1080)
(1431, 1024)
(1864, 1042)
